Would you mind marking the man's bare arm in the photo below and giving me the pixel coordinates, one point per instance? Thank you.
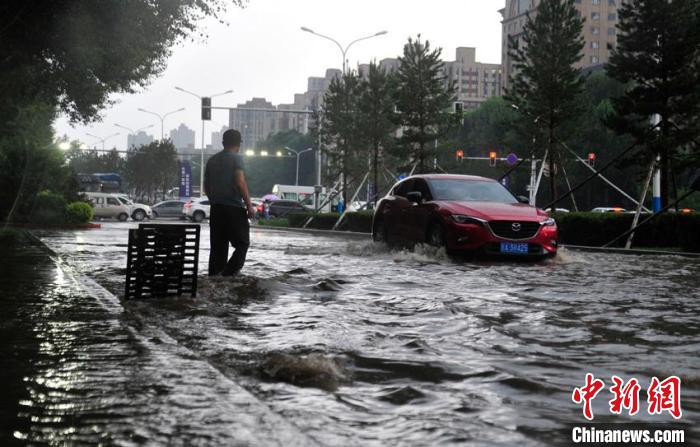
(243, 188)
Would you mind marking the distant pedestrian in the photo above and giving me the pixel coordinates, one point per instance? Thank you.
(266, 208)
(226, 188)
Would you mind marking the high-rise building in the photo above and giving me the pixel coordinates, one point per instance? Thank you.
(256, 123)
(475, 81)
(182, 138)
(599, 30)
(139, 139)
(216, 139)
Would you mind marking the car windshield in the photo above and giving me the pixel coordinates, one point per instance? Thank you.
(125, 201)
(470, 191)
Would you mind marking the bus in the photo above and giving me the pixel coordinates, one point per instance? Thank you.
(100, 182)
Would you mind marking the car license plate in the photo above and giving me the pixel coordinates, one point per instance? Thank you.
(514, 248)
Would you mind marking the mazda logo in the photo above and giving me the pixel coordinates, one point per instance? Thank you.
(516, 226)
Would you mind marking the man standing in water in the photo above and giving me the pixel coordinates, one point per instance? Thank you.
(225, 185)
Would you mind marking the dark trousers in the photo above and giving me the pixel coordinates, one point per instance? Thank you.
(228, 225)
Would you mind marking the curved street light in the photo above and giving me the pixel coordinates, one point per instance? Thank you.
(298, 153)
(161, 117)
(201, 162)
(102, 139)
(132, 131)
(343, 50)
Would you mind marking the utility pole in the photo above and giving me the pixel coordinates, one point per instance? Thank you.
(204, 100)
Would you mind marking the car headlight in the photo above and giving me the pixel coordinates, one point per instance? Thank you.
(462, 219)
(550, 222)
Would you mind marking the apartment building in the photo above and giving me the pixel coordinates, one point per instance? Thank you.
(599, 30)
(475, 81)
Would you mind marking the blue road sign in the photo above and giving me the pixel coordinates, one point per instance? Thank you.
(185, 179)
(512, 159)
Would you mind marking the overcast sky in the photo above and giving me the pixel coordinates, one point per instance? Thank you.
(261, 52)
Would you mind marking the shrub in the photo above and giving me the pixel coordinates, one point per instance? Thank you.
(49, 208)
(596, 229)
(360, 221)
(78, 213)
(274, 222)
(10, 237)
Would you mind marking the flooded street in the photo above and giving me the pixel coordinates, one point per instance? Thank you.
(355, 344)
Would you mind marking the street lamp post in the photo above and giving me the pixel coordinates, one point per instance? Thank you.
(343, 50)
(298, 153)
(102, 139)
(132, 131)
(161, 118)
(201, 167)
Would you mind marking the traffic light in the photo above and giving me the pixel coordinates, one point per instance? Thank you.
(206, 109)
(492, 159)
(591, 159)
(460, 155)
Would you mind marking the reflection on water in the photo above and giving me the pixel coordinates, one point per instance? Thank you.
(357, 344)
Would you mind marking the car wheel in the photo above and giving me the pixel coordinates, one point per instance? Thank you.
(122, 217)
(379, 231)
(139, 215)
(436, 235)
(155, 214)
(198, 216)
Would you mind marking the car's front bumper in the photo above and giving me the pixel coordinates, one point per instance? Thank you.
(473, 237)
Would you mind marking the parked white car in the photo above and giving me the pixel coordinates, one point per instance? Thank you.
(137, 211)
(107, 205)
(197, 209)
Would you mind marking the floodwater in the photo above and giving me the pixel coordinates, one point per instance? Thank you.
(350, 343)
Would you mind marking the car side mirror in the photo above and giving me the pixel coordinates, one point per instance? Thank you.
(414, 196)
(523, 199)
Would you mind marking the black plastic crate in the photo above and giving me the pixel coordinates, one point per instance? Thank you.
(162, 261)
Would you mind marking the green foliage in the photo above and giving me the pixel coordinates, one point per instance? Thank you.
(597, 229)
(360, 221)
(10, 237)
(342, 131)
(91, 161)
(659, 61)
(49, 208)
(151, 168)
(545, 85)
(30, 162)
(423, 98)
(322, 221)
(376, 116)
(76, 53)
(79, 213)
(274, 222)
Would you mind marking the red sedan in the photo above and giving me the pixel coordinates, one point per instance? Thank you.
(464, 214)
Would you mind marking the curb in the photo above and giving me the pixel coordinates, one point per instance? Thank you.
(631, 251)
(85, 226)
(269, 427)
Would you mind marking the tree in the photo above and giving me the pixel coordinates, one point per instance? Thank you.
(423, 98)
(545, 85)
(658, 55)
(341, 129)
(152, 167)
(75, 53)
(376, 108)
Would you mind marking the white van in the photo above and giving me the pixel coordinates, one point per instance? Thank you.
(107, 205)
(303, 194)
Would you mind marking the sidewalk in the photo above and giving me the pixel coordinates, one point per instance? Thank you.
(77, 371)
